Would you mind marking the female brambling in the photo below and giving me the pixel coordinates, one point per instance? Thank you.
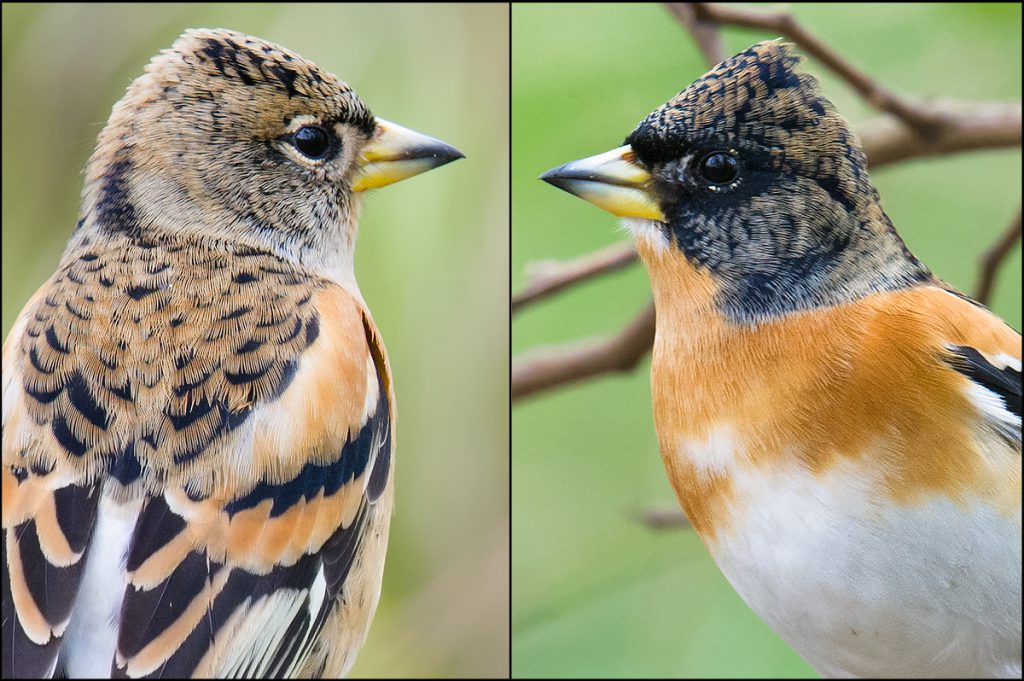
(198, 414)
(842, 428)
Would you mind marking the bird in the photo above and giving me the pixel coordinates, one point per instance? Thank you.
(198, 409)
(841, 427)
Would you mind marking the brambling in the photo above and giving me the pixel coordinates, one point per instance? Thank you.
(198, 411)
(842, 429)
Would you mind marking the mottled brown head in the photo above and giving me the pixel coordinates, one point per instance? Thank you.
(753, 174)
(232, 138)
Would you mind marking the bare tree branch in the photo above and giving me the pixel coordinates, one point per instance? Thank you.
(664, 518)
(994, 258)
(544, 368)
(923, 119)
(970, 126)
(705, 33)
(548, 277)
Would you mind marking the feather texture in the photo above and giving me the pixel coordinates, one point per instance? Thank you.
(250, 435)
(198, 412)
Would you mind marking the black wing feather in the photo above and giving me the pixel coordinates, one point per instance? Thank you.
(1005, 382)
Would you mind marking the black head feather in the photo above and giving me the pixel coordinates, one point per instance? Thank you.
(799, 224)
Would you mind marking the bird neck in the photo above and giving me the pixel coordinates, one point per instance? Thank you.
(699, 305)
(144, 196)
(825, 259)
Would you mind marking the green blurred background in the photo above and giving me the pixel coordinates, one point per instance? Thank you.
(594, 592)
(432, 263)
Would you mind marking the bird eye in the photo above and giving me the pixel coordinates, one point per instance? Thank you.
(719, 168)
(312, 141)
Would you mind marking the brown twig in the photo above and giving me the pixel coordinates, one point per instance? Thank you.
(918, 116)
(994, 258)
(549, 277)
(705, 33)
(663, 519)
(544, 368)
(969, 127)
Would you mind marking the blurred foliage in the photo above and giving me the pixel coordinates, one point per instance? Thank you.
(432, 263)
(595, 593)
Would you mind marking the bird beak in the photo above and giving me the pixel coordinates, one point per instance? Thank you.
(396, 153)
(613, 181)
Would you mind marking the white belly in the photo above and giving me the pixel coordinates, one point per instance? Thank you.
(861, 588)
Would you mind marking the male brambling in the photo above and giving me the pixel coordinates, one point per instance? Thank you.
(198, 414)
(842, 429)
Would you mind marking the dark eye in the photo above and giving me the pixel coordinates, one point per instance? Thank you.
(312, 141)
(719, 167)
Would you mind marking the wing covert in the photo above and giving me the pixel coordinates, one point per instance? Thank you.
(243, 584)
(254, 486)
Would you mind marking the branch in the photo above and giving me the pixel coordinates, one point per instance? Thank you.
(969, 127)
(668, 518)
(544, 368)
(549, 277)
(705, 33)
(917, 116)
(994, 258)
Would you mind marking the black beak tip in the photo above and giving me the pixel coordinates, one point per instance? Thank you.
(436, 154)
(556, 178)
(552, 176)
(446, 154)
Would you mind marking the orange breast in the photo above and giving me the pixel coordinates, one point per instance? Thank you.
(862, 381)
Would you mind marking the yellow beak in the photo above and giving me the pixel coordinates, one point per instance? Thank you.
(613, 181)
(396, 153)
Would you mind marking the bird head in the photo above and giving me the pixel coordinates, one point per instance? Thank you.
(752, 176)
(235, 139)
